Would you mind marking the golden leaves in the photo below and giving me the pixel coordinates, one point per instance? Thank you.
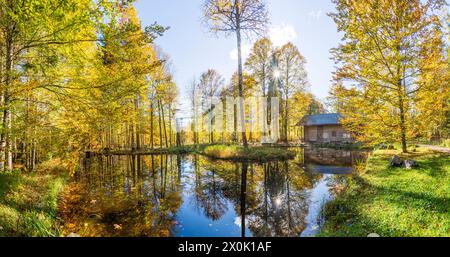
(388, 45)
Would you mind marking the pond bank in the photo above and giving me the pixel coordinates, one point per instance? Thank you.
(29, 202)
(223, 152)
(104, 197)
(239, 153)
(196, 196)
(394, 202)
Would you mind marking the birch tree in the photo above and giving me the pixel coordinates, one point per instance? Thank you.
(242, 18)
(293, 78)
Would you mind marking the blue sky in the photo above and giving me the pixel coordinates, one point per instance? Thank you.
(194, 50)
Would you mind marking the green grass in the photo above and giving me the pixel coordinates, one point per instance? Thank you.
(219, 151)
(446, 143)
(28, 203)
(157, 151)
(394, 202)
(239, 153)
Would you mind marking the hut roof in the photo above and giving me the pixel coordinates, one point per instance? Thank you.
(321, 119)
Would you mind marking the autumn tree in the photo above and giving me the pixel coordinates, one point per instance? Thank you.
(381, 59)
(301, 104)
(431, 114)
(280, 72)
(241, 17)
(35, 30)
(121, 85)
(250, 90)
(194, 102)
(73, 77)
(258, 63)
(209, 87)
(293, 78)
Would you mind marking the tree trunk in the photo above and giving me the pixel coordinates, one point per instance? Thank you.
(263, 88)
(211, 132)
(9, 141)
(34, 154)
(5, 136)
(286, 121)
(240, 75)
(402, 120)
(133, 144)
(2, 104)
(194, 122)
(160, 128)
(164, 126)
(170, 125)
(151, 126)
(138, 137)
(178, 139)
(235, 122)
(138, 128)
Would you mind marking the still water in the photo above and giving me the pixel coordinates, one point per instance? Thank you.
(194, 196)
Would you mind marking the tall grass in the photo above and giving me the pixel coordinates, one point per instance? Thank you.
(446, 143)
(29, 202)
(237, 153)
(223, 152)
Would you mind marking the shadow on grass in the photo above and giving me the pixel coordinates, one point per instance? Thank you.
(415, 200)
(28, 204)
(344, 219)
(437, 166)
(8, 181)
(407, 199)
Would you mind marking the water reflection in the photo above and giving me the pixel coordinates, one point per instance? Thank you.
(195, 196)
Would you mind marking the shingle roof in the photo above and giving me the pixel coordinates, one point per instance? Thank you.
(321, 119)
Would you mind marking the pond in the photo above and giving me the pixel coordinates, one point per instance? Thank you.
(194, 196)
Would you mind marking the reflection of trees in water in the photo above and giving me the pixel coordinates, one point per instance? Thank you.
(130, 195)
(208, 194)
(271, 197)
(282, 204)
(143, 194)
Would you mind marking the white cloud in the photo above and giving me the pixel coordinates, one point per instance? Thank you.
(238, 221)
(280, 35)
(246, 49)
(315, 14)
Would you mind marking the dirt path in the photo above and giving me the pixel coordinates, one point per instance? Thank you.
(437, 148)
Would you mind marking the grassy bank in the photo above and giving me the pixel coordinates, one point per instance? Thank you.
(223, 152)
(156, 151)
(29, 202)
(239, 153)
(394, 201)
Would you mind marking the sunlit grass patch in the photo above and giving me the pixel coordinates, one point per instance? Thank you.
(237, 153)
(28, 203)
(394, 201)
(223, 151)
(446, 143)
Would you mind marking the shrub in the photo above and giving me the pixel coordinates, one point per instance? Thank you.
(223, 152)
